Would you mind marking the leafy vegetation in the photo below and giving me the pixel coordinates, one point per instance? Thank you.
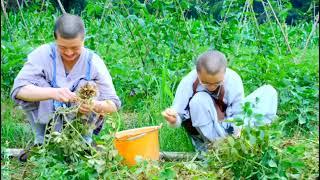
(148, 47)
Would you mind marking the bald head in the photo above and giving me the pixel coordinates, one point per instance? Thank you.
(69, 27)
(212, 62)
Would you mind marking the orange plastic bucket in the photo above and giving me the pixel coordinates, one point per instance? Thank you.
(142, 142)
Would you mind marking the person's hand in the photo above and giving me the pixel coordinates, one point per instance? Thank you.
(85, 108)
(95, 106)
(170, 115)
(63, 95)
(237, 132)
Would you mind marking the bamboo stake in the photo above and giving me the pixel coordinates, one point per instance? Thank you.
(279, 4)
(185, 22)
(42, 4)
(147, 47)
(26, 3)
(245, 9)
(314, 10)
(122, 27)
(279, 24)
(308, 40)
(21, 4)
(254, 19)
(5, 12)
(23, 20)
(258, 29)
(243, 23)
(205, 29)
(119, 23)
(269, 20)
(224, 19)
(103, 12)
(61, 7)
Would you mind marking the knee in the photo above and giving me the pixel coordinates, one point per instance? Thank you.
(270, 90)
(199, 100)
(200, 109)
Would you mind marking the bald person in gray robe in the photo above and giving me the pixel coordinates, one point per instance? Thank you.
(213, 93)
(54, 72)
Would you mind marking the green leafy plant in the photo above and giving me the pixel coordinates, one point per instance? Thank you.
(148, 46)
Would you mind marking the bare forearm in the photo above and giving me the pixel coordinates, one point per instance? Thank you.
(33, 93)
(105, 107)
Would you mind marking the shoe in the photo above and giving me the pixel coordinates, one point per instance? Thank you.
(24, 154)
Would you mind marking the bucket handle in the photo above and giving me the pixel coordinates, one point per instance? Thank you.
(136, 137)
(132, 137)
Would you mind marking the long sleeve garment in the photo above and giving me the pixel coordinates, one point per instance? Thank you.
(38, 71)
(234, 95)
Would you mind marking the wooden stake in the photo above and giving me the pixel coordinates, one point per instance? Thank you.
(314, 27)
(243, 22)
(5, 12)
(23, 20)
(61, 7)
(279, 24)
(269, 20)
(224, 19)
(178, 156)
(12, 152)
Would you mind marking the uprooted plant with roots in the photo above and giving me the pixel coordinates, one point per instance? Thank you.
(69, 144)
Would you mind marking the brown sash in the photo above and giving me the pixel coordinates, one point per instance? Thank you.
(218, 103)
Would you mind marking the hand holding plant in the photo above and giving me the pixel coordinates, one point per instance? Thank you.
(170, 115)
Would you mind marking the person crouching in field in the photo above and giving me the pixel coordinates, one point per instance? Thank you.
(55, 71)
(211, 94)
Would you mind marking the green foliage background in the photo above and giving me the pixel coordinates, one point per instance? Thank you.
(149, 46)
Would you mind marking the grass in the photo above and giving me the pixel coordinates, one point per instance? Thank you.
(164, 44)
(294, 136)
(15, 130)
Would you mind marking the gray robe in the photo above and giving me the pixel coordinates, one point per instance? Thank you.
(38, 71)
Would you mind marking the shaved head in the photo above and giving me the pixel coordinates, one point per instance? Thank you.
(212, 62)
(69, 26)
